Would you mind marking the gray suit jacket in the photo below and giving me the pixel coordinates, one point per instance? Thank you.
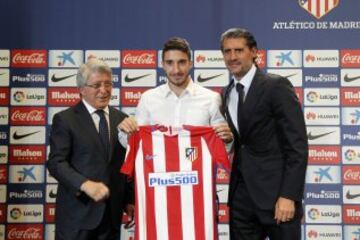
(76, 154)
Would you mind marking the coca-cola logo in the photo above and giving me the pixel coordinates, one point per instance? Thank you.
(27, 233)
(139, 58)
(144, 58)
(352, 175)
(29, 58)
(34, 115)
(348, 58)
(35, 58)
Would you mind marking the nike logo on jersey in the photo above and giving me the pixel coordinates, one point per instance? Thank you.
(313, 137)
(129, 79)
(58, 79)
(17, 136)
(201, 79)
(350, 79)
(52, 194)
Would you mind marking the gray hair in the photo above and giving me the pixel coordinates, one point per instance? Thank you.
(93, 65)
(238, 33)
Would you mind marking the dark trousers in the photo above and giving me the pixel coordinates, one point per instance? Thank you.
(105, 230)
(248, 222)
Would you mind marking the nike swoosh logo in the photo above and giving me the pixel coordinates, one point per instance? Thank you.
(313, 137)
(129, 79)
(201, 80)
(17, 136)
(350, 79)
(58, 79)
(2, 74)
(290, 75)
(52, 194)
(352, 196)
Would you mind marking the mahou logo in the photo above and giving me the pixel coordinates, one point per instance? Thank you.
(260, 59)
(63, 96)
(138, 58)
(28, 116)
(351, 174)
(222, 176)
(351, 214)
(34, 154)
(4, 96)
(324, 154)
(50, 213)
(29, 58)
(25, 232)
(350, 58)
(131, 96)
(350, 96)
(3, 174)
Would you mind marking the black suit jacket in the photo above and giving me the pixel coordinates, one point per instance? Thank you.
(76, 154)
(271, 151)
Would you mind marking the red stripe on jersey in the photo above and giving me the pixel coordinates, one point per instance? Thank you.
(198, 190)
(173, 193)
(149, 167)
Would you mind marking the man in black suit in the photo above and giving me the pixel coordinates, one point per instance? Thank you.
(85, 157)
(270, 146)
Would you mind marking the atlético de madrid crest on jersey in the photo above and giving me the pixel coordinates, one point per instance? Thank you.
(191, 153)
(318, 8)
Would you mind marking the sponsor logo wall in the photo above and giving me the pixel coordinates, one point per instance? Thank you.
(37, 83)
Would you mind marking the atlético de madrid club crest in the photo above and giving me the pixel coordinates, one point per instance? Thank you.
(191, 153)
(318, 8)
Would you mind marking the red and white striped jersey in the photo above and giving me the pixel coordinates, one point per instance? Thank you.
(175, 181)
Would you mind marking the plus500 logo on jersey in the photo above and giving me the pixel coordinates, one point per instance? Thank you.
(173, 179)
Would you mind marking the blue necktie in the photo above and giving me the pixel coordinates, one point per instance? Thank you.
(104, 131)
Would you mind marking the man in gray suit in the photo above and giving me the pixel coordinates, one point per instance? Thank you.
(85, 157)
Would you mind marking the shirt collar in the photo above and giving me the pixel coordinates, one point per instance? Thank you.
(247, 79)
(92, 110)
(190, 89)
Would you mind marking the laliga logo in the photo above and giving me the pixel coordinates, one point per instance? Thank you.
(15, 213)
(312, 96)
(313, 214)
(312, 234)
(351, 155)
(19, 96)
(318, 8)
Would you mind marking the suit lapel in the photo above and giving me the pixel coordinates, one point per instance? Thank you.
(113, 131)
(225, 103)
(86, 120)
(254, 94)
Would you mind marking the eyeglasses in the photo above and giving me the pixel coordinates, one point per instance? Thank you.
(99, 85)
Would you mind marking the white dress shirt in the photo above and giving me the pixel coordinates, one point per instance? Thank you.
(95, 117)
(234, 96)
(196, 106)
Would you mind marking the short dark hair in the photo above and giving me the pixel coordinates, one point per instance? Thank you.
(238, 33)
(176, 43)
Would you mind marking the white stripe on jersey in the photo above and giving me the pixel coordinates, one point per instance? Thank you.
(160, 193)
(141, 191)
(208, 191)
(187, 199)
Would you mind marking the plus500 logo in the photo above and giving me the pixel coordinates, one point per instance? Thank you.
(173, 179)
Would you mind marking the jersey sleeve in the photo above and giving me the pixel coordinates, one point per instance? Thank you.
(131, 152)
